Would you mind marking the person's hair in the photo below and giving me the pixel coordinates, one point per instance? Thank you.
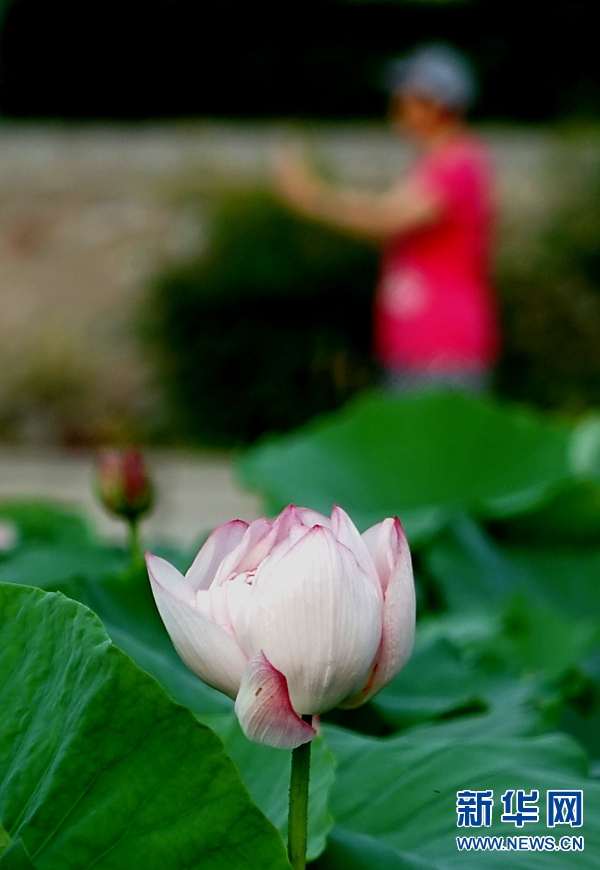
(436, 72)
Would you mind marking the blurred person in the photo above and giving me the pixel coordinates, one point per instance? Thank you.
(435, 320)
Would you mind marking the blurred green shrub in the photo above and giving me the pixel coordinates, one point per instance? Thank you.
(550, 294)
(270, 327)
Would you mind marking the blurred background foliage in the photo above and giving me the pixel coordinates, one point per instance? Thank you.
(272, 323)
(550, 296)
(267, 329)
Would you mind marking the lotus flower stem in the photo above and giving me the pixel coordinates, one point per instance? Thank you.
(298, 812)
(135, 549)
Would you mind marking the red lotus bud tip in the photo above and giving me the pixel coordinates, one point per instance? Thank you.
(123, 484)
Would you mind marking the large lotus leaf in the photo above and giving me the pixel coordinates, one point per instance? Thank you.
(125, 604)
(44, 522)
(512, 710)
(347, 850)
(552, 628)
(470, 570)
(565, 577)
(584, 447)
(93, 574)
(570, 515)
(441, 682)
(50, 565)
(423, 458)
(266, 774)
(402, 792)
(126, 607)
(98, 767)
(500, 670)
(55, 545)
(531, 631)
(473, 570)
(583, 719)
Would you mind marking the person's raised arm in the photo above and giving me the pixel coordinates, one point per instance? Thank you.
(403, 208)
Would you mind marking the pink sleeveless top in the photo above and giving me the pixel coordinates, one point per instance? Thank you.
(434, 306)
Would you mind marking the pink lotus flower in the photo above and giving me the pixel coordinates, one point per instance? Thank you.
(293, 617)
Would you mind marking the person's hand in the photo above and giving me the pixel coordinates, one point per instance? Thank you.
(294, 179)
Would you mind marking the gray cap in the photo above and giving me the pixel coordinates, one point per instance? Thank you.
(436, 71)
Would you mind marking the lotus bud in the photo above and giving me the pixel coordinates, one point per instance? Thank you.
(123, 484)
(293, 617)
